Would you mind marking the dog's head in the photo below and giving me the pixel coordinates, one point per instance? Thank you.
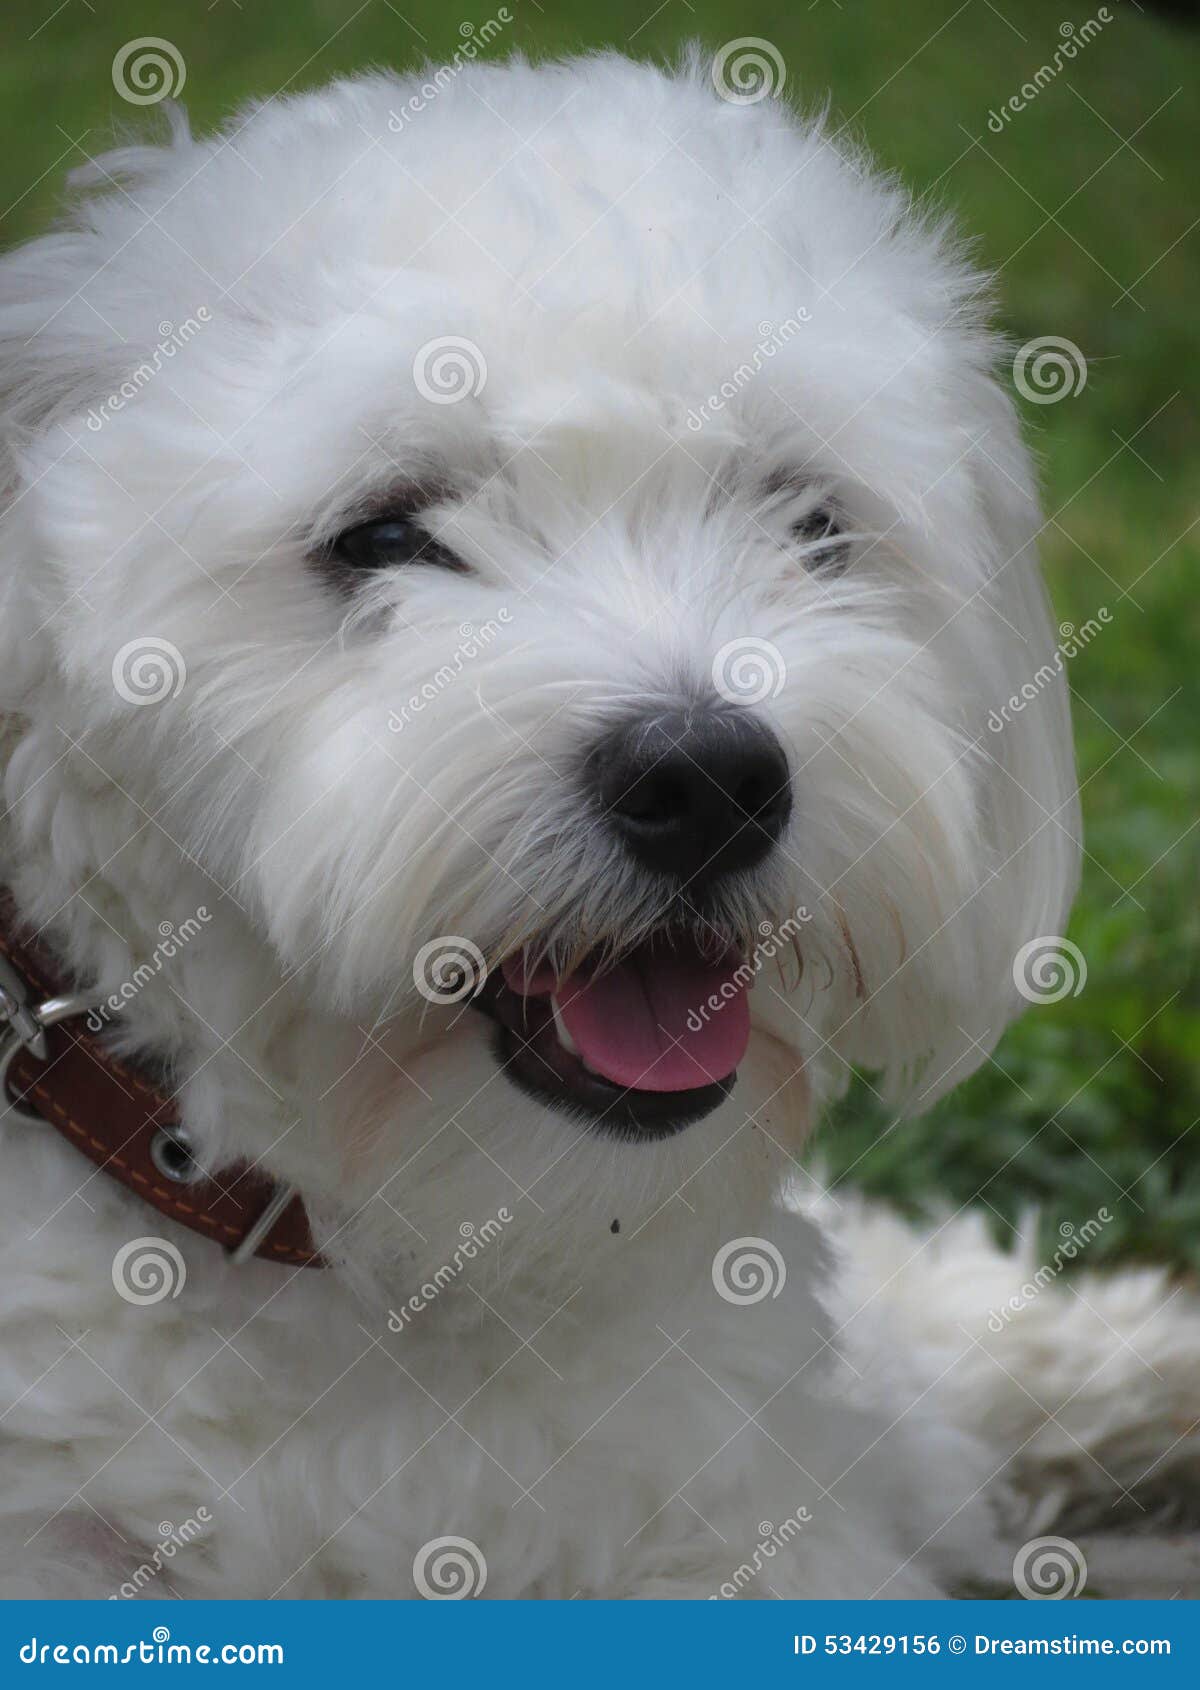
(552, 553)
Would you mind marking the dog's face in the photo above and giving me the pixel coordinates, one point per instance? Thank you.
(595, 543)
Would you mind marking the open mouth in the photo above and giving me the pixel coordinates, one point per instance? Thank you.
(641, 1048)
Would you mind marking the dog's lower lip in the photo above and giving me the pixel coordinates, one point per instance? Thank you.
(531, 1054)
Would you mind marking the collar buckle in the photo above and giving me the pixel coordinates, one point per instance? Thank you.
(23, 1025)
(128, 1117)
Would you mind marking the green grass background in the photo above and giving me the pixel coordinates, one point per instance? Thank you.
(1085, 205)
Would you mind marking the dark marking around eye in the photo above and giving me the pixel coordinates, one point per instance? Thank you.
(819, 531)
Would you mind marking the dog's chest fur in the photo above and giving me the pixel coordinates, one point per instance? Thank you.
(619, 1446)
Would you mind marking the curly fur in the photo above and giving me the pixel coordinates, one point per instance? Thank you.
(580, 1402)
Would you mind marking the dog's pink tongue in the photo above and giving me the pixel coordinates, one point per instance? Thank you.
(649, 1023)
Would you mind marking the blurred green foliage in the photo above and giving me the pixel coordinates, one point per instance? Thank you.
(1085, 204)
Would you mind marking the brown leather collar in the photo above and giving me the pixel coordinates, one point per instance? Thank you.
(129, 1127)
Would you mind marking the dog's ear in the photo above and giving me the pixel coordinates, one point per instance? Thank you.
(63, 349)
(59, 352)
(940, 1011)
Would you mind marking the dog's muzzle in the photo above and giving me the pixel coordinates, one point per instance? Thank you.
(644, 1042)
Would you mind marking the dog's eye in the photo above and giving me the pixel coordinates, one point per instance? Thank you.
(820, 535)
(389, 541)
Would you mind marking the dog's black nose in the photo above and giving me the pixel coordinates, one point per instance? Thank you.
(694, 795)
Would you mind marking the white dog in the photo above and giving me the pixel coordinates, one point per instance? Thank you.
(512, 579)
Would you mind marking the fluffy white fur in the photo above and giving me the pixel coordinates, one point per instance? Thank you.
(579, 1403)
